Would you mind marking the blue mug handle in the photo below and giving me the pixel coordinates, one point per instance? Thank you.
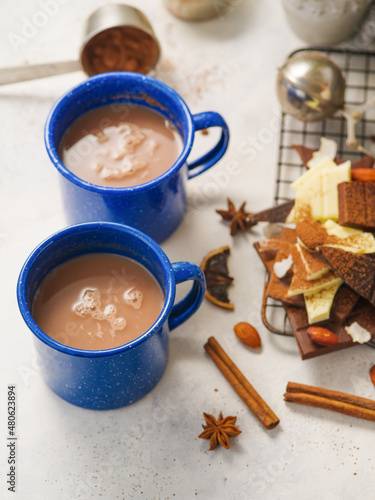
(206, 120)
(186, 271)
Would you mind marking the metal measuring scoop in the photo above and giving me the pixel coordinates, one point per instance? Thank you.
(117, 38)
(311, 87)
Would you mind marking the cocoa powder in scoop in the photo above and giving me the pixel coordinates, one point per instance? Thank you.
(120, 49)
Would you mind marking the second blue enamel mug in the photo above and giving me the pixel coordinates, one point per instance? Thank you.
(156, 207)
(115, 377)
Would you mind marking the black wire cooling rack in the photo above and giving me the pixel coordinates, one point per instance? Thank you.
(358, 68)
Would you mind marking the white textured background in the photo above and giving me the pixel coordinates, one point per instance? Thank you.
(150, 450)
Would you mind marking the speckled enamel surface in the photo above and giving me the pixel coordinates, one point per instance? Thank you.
(158, 206)
(107, 382)
(112, 378)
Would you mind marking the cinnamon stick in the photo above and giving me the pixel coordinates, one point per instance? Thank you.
(339, 402)
(327, 393)
(240, 384)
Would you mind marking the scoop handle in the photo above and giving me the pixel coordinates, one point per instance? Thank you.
(353, 115)
(23, 73)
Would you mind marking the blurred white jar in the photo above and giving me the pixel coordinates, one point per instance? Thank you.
(324, 22)
(195, 10)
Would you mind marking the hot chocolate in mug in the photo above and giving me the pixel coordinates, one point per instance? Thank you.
(106, 378)
(156, 206)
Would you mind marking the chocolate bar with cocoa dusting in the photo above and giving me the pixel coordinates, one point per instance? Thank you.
(267, 248)
(357, 205)
(273, 250)
(357, 270)
(278, 287)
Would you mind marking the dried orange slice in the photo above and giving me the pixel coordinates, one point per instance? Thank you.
(215, 268)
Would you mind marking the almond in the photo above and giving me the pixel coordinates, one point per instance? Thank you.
(363, 174)
(322, 336)
(248, 334)
(372, 374)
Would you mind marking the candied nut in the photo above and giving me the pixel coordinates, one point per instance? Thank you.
(247, 334)
(372, 374)
(363, 174)
(322, 336)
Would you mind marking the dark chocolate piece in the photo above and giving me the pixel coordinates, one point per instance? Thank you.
(364, 315)
(267, 257)
(364, 162)
(343, 304)
(357, 205)
(278, 213)
(306, 154)
(357, 270)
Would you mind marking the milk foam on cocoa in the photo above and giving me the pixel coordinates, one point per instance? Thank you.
(97, 301)
(120, 145)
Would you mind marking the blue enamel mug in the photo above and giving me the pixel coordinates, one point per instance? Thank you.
(156, 207)
(116, 377)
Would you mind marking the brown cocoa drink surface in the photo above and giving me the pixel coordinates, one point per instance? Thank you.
(97, 301)
(120, 145)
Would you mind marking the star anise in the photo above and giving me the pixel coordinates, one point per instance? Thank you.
(219, 431)
(239, 219)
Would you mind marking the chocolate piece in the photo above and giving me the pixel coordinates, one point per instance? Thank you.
(357, 270)
(364, 315)
(242, 220)
(278, 213)
(267, 249)
(308, 349)
(343, 304)
(267, 257)
(314, 262)
(344, 311)
(300, 282)
(306, 154)
(278, 288)
(364, 162)
(357, 205)
(311, 233)
(273, 250)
